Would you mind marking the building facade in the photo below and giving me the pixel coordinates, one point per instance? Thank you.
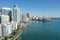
(29, 16)
(6, 30)
(0, 30)
(16, 14)
(4, 19)
(7, 11)
(25, 18)
(14, 25)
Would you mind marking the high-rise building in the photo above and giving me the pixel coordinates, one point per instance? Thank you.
(6, 29)
(14, 25)
(0, 19)
(25, 18)
(0, 30)
(16, 14)
(4, 19)
(0, 11)
(0, 15)
(7, 11)
(9, 26)
(29, 15)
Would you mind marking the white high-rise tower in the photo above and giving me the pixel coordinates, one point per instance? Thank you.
(16, 14)
(7, 11)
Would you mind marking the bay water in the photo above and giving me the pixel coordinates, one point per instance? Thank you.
(42, 31)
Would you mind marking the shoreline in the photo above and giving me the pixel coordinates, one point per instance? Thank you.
(25, 24)
(18, 36)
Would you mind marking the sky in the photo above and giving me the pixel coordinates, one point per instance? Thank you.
(35, 7)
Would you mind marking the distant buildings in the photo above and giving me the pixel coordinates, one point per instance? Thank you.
(36, 18)
(29, 15)
(0, 11)
(33, 17)
(40, 19)
(25, 18)
(44, 18)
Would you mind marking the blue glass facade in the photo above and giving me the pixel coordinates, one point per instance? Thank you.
(10, 16)
(11, 28)
(7, 31)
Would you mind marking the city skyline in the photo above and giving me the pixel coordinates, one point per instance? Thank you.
(36, 7)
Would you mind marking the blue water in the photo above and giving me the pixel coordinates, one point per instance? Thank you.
(42, 31)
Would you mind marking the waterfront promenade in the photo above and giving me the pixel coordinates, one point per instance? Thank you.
(18, 32)
(15, 34)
